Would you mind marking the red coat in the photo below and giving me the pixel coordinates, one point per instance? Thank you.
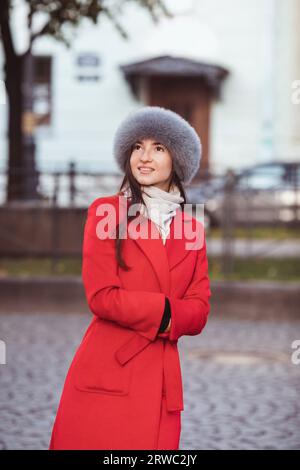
(112, 393)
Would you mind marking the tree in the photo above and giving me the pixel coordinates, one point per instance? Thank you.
(18, 71)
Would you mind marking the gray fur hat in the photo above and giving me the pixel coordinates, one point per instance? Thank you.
(166, 127)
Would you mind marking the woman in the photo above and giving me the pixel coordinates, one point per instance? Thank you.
(147, 285)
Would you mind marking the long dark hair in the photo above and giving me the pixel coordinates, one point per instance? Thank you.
(137, 198)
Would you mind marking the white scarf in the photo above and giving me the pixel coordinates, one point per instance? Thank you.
(160, 207)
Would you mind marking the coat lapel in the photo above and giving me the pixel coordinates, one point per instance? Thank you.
(164, 258)
(154, 249)
(178, 241)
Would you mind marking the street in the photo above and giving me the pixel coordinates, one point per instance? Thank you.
(241, 389)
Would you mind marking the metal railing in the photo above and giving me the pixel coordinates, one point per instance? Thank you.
(233, 207)
(69, 188)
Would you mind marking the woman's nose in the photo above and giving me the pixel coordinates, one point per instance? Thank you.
(146, 155)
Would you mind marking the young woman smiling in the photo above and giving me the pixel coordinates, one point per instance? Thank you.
(124, 388)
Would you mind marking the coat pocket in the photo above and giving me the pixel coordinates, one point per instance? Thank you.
(96, 368)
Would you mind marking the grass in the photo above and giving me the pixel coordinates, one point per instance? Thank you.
(274, 269)
(27, 267)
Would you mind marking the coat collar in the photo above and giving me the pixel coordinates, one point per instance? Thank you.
(164, 258)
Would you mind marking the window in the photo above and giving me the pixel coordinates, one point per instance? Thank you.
(88, 67)
(42, 99)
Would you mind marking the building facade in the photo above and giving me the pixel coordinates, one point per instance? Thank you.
(227, 68)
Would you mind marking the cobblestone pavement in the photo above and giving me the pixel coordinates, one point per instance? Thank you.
(241, 390)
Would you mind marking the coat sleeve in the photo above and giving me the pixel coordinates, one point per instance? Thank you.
(189, 314)
(138, 310)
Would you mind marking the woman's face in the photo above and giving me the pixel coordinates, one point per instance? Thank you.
(151, 163)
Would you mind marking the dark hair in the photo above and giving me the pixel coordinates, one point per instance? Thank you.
(137, 198)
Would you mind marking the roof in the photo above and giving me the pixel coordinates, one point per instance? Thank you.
(172, 66)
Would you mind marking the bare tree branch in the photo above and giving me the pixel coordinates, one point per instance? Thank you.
(62, 12)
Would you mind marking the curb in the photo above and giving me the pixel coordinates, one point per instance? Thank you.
(230, 299)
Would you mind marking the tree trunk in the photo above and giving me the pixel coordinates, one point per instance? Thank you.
(18, 76)
(13, 81)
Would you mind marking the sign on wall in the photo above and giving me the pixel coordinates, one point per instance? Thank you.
(88, 67)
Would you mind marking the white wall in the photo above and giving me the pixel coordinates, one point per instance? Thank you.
(288, 70)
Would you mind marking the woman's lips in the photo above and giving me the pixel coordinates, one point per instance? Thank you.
(145, 170)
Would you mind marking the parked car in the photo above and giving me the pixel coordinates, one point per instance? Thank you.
(263, 193)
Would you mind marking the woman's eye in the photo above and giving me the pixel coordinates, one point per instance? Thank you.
(159, 147)
(136, 145)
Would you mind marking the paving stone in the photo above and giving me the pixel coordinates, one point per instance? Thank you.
(241, 390)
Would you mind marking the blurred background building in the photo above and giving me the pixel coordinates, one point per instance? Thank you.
(232, 69)
(228, 70)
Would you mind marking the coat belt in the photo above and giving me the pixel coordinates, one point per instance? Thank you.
(171, 364)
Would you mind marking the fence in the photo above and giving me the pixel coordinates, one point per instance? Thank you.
(53, 225)
(69, 188)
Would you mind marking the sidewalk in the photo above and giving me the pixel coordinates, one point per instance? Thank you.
(256, 247)
(244, 299)
(241, 390)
